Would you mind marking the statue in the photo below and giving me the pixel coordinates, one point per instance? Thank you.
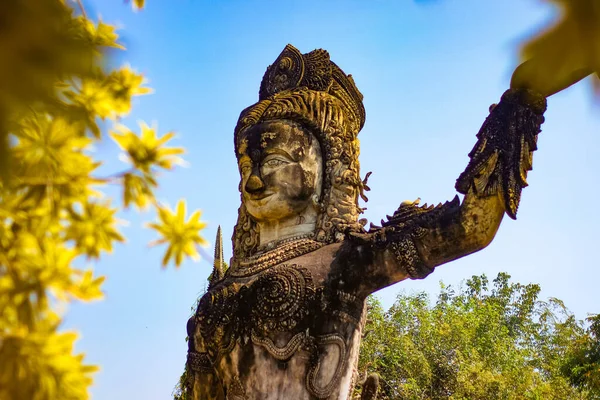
(285, 320)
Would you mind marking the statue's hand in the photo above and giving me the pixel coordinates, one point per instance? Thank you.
(503, 153)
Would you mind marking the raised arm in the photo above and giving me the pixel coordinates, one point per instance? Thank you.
(412, 242)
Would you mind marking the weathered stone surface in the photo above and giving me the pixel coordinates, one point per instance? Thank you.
(285, 320)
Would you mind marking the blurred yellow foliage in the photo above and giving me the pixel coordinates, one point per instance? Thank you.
(138, 189)
(54, 89)
(138, 4)
(39, 365)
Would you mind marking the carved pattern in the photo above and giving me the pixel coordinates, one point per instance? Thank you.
(280, 353)
(347, 307)
(311, 377)
(199, 362)
(313, 71)
(278, 243)
(278, 301)
(503, 154)
(245, 235)
(346, 317)
(318, 70)
(263, 261)
(218, 263)
(283, 298)
(285, 73)
(218, 319)
(409, 223)
(344, 87)
(236, 390)
(407, 254)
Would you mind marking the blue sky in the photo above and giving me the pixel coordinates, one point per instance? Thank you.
(428, 70)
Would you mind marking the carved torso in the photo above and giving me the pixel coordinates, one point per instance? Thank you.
(274, 320)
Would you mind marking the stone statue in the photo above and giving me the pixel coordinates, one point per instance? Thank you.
(284, 321)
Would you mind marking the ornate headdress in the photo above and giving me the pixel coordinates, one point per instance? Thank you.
(294, 73)
(312, 90)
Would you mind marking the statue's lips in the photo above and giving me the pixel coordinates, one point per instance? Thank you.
(261, 197)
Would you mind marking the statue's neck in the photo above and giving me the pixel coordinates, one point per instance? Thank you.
(271, 231)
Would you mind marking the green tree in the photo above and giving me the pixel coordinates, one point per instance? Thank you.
(478, 341)
(59, 94)
(582, 363)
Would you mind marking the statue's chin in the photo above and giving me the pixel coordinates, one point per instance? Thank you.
(273, 209)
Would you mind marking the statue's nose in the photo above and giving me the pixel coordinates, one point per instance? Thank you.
(254, 184)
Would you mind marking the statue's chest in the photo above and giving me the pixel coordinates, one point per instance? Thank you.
(283, 299)
(276, 304)
(284, 320)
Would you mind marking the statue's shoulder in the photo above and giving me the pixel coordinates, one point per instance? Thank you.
(400, 232)
(411, 218)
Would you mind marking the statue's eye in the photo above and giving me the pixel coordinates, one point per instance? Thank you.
(274, 162)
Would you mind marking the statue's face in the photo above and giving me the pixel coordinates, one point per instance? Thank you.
(281, 170)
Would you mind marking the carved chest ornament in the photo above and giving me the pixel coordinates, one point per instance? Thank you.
(275, 254)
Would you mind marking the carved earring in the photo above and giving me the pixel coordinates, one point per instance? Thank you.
(315, 202)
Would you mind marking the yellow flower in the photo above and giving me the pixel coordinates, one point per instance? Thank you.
(147, 150)
(93, 229)
(182, 236)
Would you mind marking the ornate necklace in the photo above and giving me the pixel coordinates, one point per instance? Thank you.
(272, 245)
(274, 253)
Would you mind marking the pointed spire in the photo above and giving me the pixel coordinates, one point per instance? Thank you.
(217, 273)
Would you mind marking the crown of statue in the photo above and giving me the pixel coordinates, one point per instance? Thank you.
(314, 71)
